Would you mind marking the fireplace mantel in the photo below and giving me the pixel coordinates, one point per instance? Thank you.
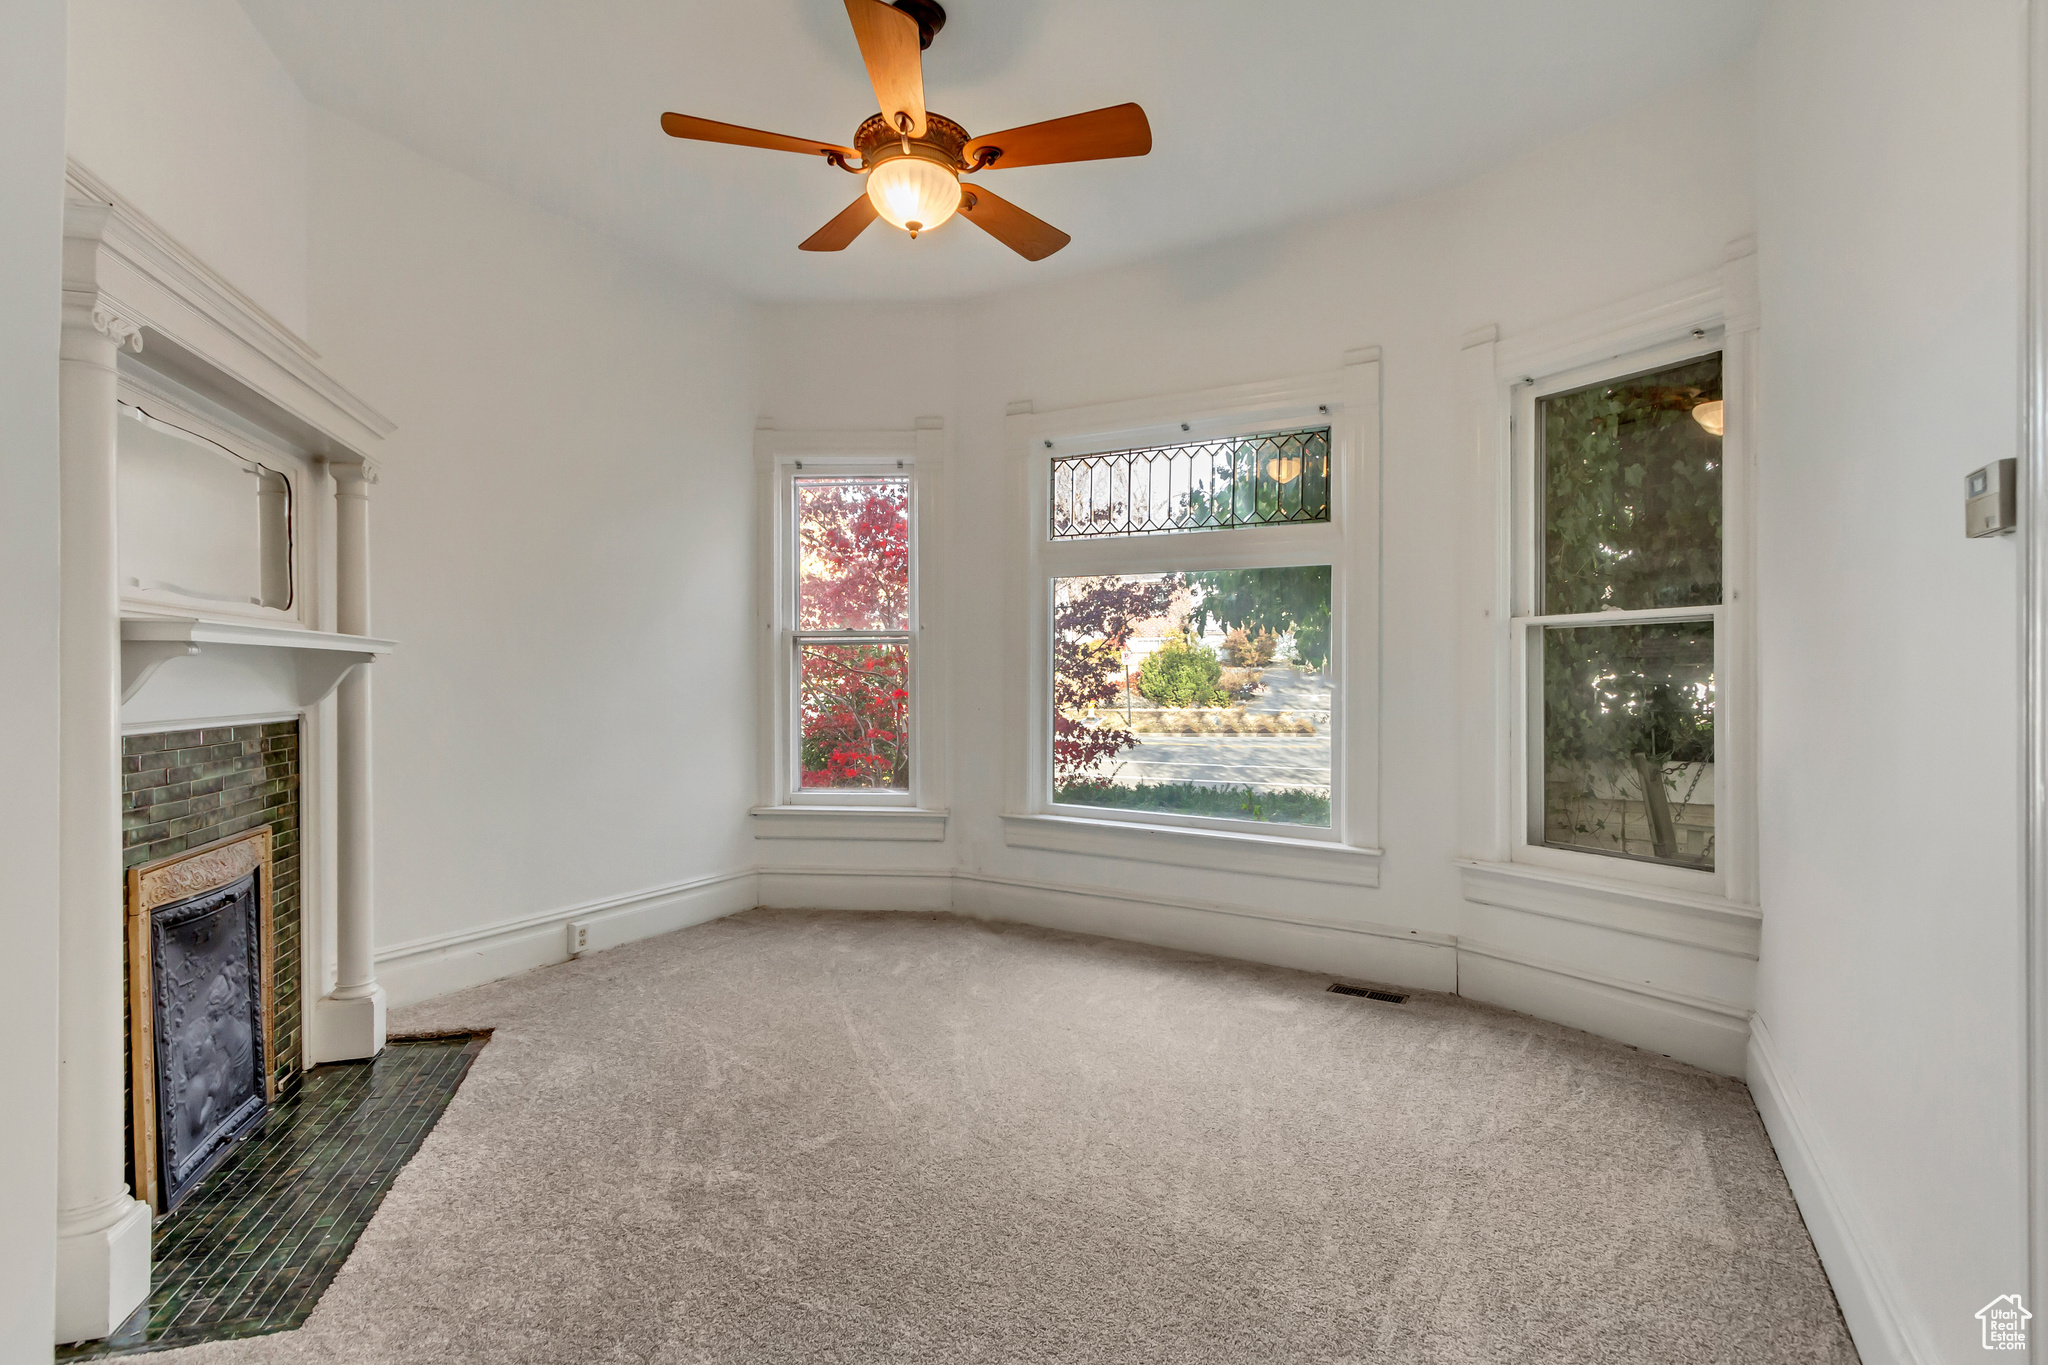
(147, 326)
(320, 659)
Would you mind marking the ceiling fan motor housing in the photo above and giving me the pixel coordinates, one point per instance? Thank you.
(877, 140)
(930, 16)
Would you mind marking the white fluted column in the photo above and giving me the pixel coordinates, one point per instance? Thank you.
(352, 1016)
(102, 1229)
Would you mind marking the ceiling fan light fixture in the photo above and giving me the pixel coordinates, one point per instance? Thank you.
(914, 194)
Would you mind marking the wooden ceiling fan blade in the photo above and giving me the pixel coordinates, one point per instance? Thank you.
(893, 49)
(709, 130)
(838, 234)
(1121, 130)
(1032, 238)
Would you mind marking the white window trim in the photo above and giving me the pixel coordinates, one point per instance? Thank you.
(786, 810)
(1500, 381)
(1348, 400)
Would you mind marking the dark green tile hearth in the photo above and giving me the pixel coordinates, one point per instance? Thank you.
(255, 1246)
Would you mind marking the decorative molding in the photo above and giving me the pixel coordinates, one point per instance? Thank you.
(199, 869)
(123, 332)
(118, 256)
(1259, 855)
(849, 822)
(322, 659)
(1697, 921)
(1135, 420)
(1864, 1284)
(1721, 297)
(353, 477)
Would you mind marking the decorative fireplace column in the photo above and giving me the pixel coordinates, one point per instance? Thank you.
(102, 1229)
(352, 1017)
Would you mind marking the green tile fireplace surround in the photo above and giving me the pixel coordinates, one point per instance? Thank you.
(184, 788)
(253, 1248)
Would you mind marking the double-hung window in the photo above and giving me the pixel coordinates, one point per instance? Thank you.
(844, 665)
(1624, 628)
(1200, 632)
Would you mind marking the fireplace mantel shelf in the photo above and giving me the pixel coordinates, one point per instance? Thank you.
(320, 659)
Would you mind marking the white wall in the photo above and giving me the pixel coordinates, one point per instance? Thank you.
(182, 107)
(31, 238)
(1577, 223)
(561, 546)
(1890, 175)
(560, 536)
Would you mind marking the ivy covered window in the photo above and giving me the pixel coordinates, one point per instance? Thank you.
(1629, 579)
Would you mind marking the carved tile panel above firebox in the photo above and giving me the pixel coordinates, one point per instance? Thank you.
(200, 1010)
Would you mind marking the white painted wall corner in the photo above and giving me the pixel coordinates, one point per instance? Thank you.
(1865, 1284)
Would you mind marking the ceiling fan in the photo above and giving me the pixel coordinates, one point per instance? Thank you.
(913, 159)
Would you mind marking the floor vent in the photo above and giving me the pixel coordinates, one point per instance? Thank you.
(1370, 994)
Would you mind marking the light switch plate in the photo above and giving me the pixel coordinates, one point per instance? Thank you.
(1991, 501)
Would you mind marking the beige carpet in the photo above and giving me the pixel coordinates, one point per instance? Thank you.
(834, 1137)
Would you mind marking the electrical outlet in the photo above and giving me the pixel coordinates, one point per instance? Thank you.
(579, 937)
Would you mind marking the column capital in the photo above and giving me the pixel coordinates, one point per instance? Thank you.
(352, 478)
(86, 309)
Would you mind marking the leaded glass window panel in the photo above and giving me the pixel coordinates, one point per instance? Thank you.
(1267, 480)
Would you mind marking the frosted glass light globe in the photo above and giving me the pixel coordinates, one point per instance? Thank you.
(914, 194)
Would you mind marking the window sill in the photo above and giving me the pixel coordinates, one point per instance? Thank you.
(850, 822)
(1686, 917)
(1258, 855)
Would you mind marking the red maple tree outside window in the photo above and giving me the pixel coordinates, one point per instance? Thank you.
(853, 582)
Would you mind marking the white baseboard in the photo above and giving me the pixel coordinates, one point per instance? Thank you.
(1709, 1033)
(1705, 1032)
(1862, 1277)
(1369, 952)
(429, 967)
(1717, 1035)
(848, 888)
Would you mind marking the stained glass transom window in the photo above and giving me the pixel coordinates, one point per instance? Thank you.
(1266, 480)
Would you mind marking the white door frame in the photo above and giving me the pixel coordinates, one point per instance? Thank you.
(2034, 655)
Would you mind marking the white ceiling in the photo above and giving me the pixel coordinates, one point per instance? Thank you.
(1263, 111)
